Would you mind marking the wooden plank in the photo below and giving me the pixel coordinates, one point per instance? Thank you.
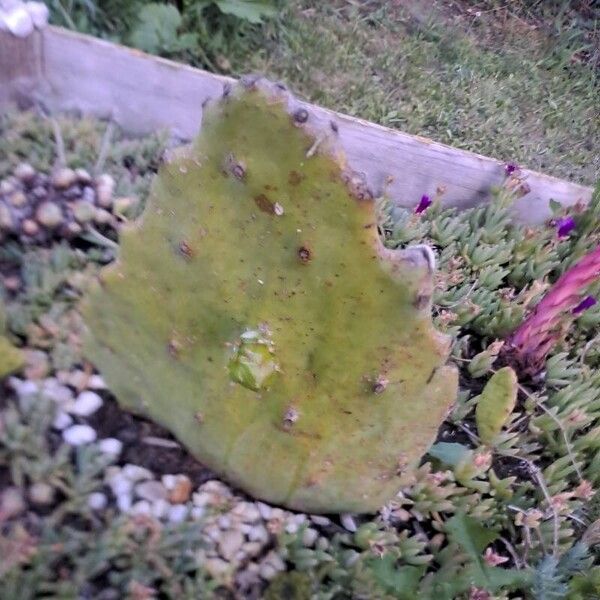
(20, 67)
(143, 93)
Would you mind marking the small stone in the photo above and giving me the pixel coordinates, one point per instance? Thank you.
(267, 571)
(169, 480)
(259, 533)
(25, 172)
(30, 228)
(275, 560)
(246, 511)
(97, 501)
(64, 178)
(59, 393)
(229, 543)
(136, 473)
(151, 491)
(252, 548)
(320, 520)
(41, 493)
(24, 389)
(39, 192)
(36, 364)
(49, 214)
(309, 537)
(265, 510)
(105, 186)
(124, 502)
(216, 567)
(18, 21)
(102, 217)
(291, 527)
(111, 446)
(86, 404)
(224, 522)
(160, 509)
(12, 503)
(213, 532)
(177, 513)
(38, 12)
(8, 185)
(96, 382)
(347, 521)
(83, 211)
(83, 176)
(141, 508)
(73, 229)
(6, 220)
(181, 490)
(18, 199)
(197, 512)
(201, 499)
(78, 435)
(119, 484)
(62, 420)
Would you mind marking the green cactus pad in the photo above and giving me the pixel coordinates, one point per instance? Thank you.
(249, 313)
(495, 404)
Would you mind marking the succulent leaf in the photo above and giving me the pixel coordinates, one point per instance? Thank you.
(255, 312)
(495, 404)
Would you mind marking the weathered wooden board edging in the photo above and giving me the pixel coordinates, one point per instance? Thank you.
(70, 71)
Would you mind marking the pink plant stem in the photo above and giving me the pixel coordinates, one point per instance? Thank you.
(534, 338)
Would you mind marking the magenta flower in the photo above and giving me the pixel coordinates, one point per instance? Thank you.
(586, 303)
(565, 226)
(510, 168)
(424, 204)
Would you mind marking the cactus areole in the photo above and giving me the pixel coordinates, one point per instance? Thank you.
(254, 312)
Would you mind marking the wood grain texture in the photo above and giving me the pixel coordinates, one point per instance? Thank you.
(20, 67)
(144, 93)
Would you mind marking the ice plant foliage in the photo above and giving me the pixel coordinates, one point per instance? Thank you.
(256, 313)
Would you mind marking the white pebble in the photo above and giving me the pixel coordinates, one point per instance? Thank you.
(309, 536)
(200, 498)
(246, 511)
(96, 382)
(160, 509)
(62, 420)
(136, 473)
(97, 501)
(151, 491)
(38, 12)
(177, 513)
(267, 571)
(320, 520)
(169, 481)
(124, 502)
(348, 522)
(86, 404)
(22, 388)
(77, 435)
(141, 508)
(111, 446)
(224, 522)
(215, 567)
(197, 512)
(11, 502)
(229, 543)
(18, 21)
(41, 493)
(59, 393)
(259, 533)
(265, 510)
(119, 484)
(291, 527)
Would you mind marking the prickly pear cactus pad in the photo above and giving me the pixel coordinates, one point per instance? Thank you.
(254, 312)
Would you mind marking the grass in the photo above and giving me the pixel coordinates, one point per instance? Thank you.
(496, 84)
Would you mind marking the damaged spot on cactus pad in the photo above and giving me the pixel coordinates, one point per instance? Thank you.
(285, 410)
(253, 362)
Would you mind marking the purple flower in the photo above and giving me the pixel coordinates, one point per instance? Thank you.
(586, 303)
(510, 168)
(565, 226)
(424, 204)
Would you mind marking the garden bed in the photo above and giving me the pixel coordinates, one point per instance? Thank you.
(79, 515)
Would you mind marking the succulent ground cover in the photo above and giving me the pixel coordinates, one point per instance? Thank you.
(97, 503)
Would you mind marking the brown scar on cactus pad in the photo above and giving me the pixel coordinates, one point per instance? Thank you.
(306, 346)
